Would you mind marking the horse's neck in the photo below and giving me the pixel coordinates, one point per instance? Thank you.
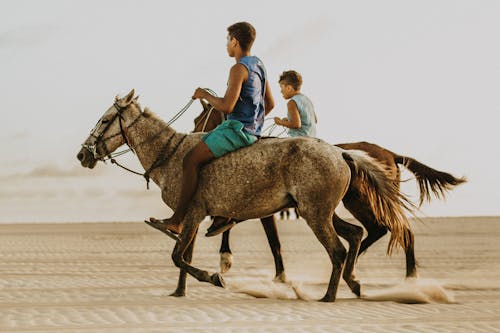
(151, 137)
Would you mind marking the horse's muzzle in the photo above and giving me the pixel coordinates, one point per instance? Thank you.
(86, 158)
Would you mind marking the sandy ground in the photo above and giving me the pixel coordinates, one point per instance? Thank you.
(116, 277)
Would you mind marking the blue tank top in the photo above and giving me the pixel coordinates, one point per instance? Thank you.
(307, 117)
(249, 108)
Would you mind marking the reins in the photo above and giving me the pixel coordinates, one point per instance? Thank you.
(206, 117)
(270, 129)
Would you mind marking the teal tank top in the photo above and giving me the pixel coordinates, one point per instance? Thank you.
(307, 117)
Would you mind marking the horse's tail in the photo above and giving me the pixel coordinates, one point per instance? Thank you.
(430, 181)
(388, 204)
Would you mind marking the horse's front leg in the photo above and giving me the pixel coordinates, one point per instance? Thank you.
(226, 257)
(269, 225)
(190, 228)
(188, 256)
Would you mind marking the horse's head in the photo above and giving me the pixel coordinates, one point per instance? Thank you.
(208, 119)
(110, 132)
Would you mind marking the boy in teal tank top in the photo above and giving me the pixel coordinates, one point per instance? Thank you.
(301, 120)
(247, 100)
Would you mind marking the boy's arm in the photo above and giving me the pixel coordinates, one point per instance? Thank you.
(237, 76)
(293, 112)
(268, 99)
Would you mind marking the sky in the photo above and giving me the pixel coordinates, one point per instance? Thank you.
(420, 78)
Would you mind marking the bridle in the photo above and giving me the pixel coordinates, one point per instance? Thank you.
(100, 139)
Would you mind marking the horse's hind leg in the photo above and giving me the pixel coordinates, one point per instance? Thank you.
(411, 264)
(269, 225)
(323, 229)
(375, 232)
(363, 213)
(353, 234)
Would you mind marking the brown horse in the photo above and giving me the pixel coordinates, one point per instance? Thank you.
(430, 182)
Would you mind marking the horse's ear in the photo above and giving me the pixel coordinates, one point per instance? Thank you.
(204, 104)
(129, 97)
(136, 98)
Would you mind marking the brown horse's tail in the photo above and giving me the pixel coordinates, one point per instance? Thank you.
(430, 181)
(387, 203)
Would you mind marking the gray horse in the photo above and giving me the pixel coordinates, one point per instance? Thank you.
(250, 183)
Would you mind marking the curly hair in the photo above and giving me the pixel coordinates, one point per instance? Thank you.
(292, 78)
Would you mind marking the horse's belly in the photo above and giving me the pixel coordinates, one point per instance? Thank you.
(245, 202)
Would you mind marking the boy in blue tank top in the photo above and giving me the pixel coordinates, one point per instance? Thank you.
(246, 101)
(301, 120)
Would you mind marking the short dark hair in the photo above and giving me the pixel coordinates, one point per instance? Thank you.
(292, 78)
(244, 33)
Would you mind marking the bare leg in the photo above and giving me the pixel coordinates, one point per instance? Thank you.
(192, 163)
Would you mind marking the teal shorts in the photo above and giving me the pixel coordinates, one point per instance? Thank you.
(227, 137)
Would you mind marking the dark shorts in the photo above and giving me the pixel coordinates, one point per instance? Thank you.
(227, 137)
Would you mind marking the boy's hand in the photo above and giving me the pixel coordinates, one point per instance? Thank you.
(199, 93)
(278, 121)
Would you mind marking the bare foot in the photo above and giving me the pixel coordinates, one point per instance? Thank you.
(169, 224)
(219, 225)
(163, 227)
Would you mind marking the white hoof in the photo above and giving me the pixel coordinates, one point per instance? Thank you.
(281, 278)
(226, 260)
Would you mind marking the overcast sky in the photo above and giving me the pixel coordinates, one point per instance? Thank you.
(421, 78)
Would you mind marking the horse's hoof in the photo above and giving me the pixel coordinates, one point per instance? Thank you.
(226, 261)
(178, 293)
(281, 278)
(355, 287)
(217, 280)
(327, 299)
(357, 290)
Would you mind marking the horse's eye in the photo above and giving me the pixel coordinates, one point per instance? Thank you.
(104, 121)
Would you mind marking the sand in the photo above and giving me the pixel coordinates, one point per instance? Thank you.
(116, 277)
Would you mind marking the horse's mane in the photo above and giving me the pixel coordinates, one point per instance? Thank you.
(150, 114)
